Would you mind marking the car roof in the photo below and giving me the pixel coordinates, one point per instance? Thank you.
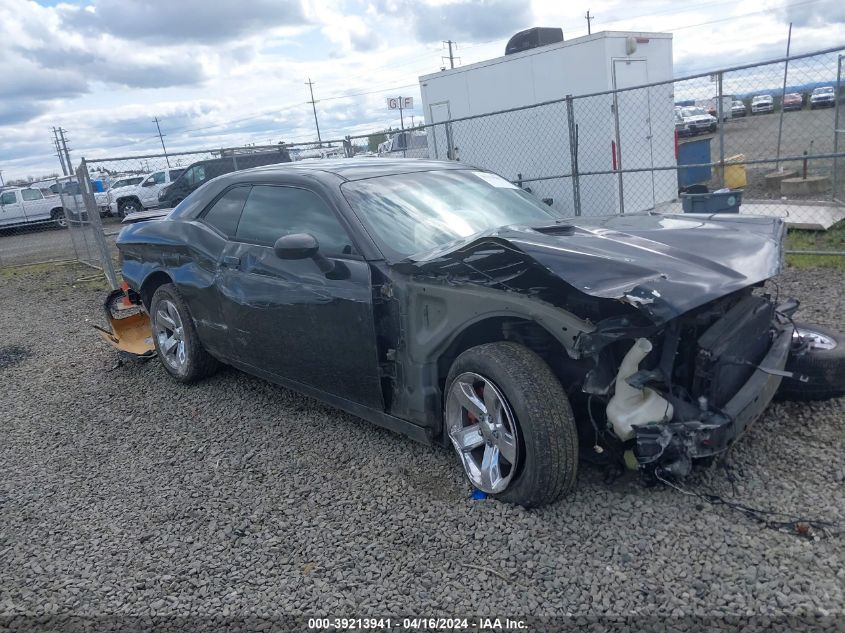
(358, 168)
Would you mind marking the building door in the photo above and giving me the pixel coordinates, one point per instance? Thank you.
(440, 134)
(632, 109)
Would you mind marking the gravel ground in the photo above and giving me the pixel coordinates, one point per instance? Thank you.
(125, 493)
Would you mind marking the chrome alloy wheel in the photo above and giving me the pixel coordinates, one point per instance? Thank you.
(815, 340)
(483, 430)
(170, 335)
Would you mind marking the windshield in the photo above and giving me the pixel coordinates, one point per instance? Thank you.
(822, 91)
(761, 98)
(693, 112)
(412, 213)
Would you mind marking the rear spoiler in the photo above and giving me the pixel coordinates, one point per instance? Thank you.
(143, 216)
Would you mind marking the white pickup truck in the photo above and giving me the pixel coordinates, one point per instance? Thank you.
(143, 195)
(30, 206)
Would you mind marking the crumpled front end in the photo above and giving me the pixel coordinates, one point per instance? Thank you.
(697, 385)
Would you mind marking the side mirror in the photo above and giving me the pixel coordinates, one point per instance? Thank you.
(296, 246)
(306, 246)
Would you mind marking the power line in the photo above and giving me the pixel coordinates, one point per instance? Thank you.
(161, 138)
(313, 103)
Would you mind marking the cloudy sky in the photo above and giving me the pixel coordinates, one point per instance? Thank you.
(217, 73)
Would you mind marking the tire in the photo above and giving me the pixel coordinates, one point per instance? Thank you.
(541, 421)
(824, 368)
(185, 359)
(125, 207)
(59, 218)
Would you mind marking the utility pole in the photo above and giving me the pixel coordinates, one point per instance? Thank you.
(59, 151)
(66, 151)
(2, 184)
(161, 138)
(589, 19)
(451, 56)
(313, 103)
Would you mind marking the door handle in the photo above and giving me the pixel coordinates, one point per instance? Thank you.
(230, 261)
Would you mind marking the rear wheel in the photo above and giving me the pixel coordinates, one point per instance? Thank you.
(818, 353)
(511, 424)
(175, 337)
(59, 218)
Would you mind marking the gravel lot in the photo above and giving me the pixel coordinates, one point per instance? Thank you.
(123, 492)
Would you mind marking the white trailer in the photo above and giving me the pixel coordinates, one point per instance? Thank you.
(626, 130)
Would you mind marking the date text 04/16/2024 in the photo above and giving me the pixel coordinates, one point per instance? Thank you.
(417, 624)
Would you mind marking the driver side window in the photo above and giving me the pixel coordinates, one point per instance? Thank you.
(271, 212)
(195, 176)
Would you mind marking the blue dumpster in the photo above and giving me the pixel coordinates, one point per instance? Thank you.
(693, 153)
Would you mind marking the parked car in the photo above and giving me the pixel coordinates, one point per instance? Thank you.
(29, 205)
(694, 120)
(142, 193)
(762, 104)
(792, 101)
(823, 97)
(738, 108)
(105, 199)
(442, 301)
(405, 145)
(201, 172)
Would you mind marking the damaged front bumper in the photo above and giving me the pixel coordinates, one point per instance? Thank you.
(669, 448)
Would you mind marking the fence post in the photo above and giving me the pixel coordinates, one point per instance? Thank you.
(87, 192)
(721, 124)
(836, 131)
(573, 154)
(347, 146)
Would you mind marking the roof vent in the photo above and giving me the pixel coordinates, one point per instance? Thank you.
(533, 38)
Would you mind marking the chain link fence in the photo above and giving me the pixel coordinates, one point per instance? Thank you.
(773, 131)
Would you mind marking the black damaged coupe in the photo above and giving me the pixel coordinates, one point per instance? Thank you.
(445, 303)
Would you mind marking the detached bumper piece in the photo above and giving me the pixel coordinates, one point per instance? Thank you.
(129, 324)
(667, 449)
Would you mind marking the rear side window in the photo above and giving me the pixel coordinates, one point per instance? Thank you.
(225, 213)
(195, 175)
(31, 194)
(271, 212)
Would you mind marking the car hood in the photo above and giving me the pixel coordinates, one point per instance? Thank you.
(698, 118)
(663, 265)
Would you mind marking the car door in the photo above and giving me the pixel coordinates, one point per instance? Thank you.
(288, 318)
(34, 206)
(11, 209)
(149, 188)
